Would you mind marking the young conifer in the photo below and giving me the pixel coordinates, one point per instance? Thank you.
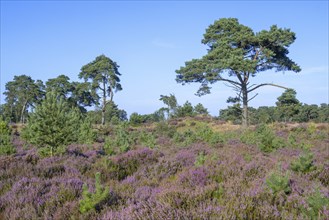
(53, 124)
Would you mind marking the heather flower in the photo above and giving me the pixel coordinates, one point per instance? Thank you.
(194, 177)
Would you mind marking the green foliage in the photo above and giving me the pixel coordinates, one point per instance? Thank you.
(263, 137)
(292, 140)
(185, 138)
(171, 102)
(278, 182)
(247, 157)
(136, 119)
(6, 147)
(316, 203)
(185, 110)
(104, 76)
(201, 159)
(147, 139)
(114, 114)
(200, 109)
(109, 147)
(122, 140)
(4, 128)
(86, 133)
(304, 163)
(267, 140)
(218, 193)
(206, 134)
(235, 54)
(232, 113)
(53, 124)
(76, 93)
(288, 105)
(202, 133)
(21, 93)
(249, 137)
(164, 129)
(93, 201)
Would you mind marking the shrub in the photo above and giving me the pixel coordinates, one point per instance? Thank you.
(6, 147)
(185, 138)
(109, 147)
(122, 140)
(136, 119)
(93, 201)
(278, 182)
(249, 137)
(147, 139)
(267, 141)
(53, 124)
(263, 137)
(206, 134)
(164, 129)
(86, 133)
(4, 128)
(304, 163)
(316, 202)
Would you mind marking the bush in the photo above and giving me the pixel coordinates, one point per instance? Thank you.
(86, 133)
(136, 119)
(316, 202)
(122, 140)
(263, 137)
(267, 141)
(278, 182)
(53, 124)
(6, 147)
(147, 139)
(186, 138)
(206, 134)
(304, 163)
(249, 137)
(164, 129)
(93, 201)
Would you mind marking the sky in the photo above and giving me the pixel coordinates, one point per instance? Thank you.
(149, 40)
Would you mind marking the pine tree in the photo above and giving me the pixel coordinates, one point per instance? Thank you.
(53, 124)
(92, 201)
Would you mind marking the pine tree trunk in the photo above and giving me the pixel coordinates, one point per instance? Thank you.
(104, 103)
(22, 113)
(245, 115)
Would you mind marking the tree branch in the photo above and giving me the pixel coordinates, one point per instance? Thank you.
(234, 87)
(267, 84)
(253, 97)
(240, 78)
(230, 81)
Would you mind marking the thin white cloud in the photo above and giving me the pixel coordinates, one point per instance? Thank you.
(162, 44)
(314, 70)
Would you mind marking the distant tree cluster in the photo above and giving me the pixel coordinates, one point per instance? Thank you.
(23, 93)
(288, 109)
(173, 110)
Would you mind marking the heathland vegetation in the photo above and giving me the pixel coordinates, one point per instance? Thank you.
(60, 161)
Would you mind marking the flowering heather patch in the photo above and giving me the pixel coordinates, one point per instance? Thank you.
(232, 182)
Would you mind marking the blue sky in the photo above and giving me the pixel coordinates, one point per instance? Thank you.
(151, 39)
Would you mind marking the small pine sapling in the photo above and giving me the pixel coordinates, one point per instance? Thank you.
(278, 182)
(92, 201)
(304, 163)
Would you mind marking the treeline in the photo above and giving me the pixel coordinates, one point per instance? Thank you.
(288, 109)
(23, 94)
(101, 80)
